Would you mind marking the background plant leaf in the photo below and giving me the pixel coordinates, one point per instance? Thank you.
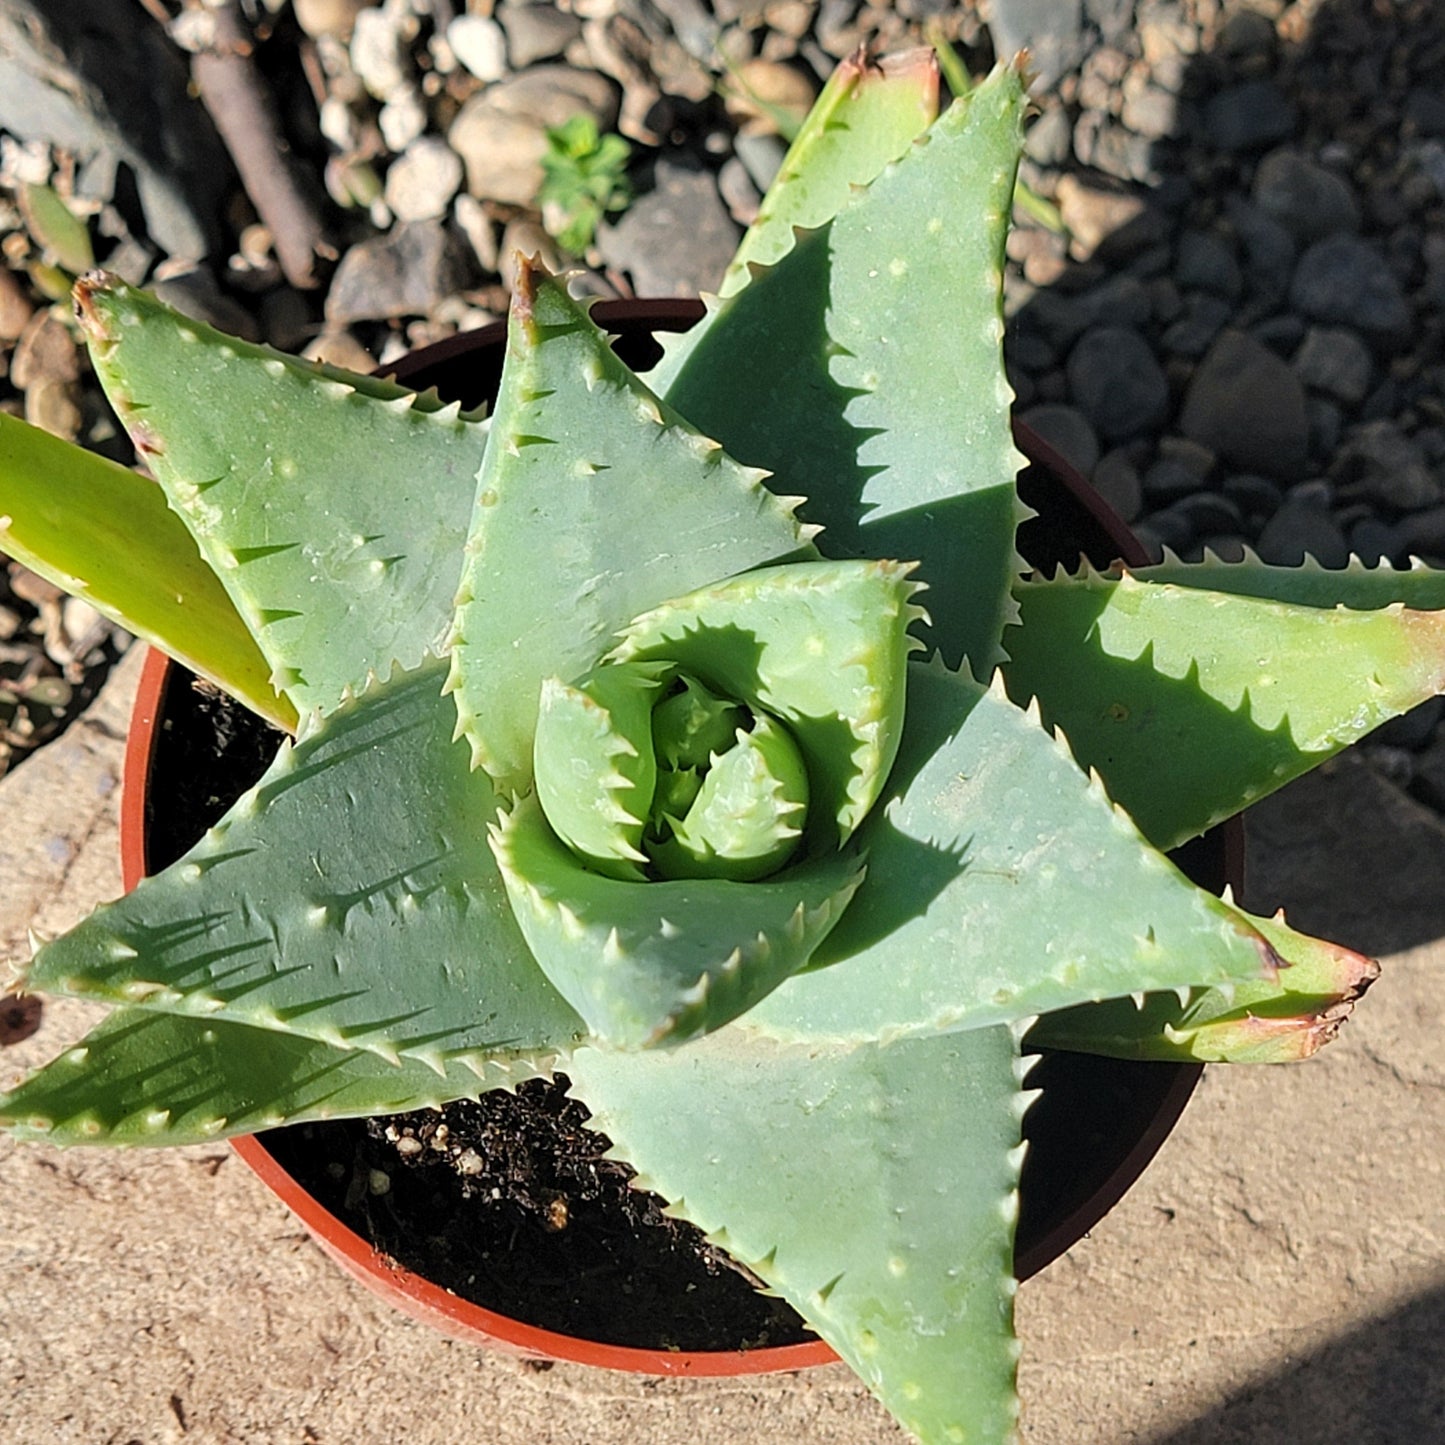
(106, 534)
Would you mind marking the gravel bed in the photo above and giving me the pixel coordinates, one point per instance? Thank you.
(1237, 332)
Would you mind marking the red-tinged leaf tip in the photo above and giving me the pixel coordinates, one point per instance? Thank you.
(1357, 972)
(1280, 1039)
(529, 275)
(83, 298)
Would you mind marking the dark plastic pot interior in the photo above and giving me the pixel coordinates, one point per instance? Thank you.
(1092, 1133)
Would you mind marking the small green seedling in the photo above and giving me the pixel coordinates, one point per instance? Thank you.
(584, 179)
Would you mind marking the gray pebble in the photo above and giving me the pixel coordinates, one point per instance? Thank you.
(536, 32)
(1309, 201)
(1168, 528)
(1269, 249)
(1049, 324)
(1282, 333)
(1188, 453)
(1316, 492)
(683, 202)
(500, 133)
(1245, 34)
(1380, 464)
(1425, 112)
(1168, 480)
(1049, 29)
(1165, 302)
(403, 273)
(1249, 117)
(1429, 772)
(1247, 405)
(420, 184)
(1211, 513)
(1372, 540)
(1326, 424)
(1113, 18)
(1336, 362)
(762, 155)
(1205, 263)
(1254, 494)
(1068, 431)
(1299, 530)
(739, 193)
(1117, 383)
(1119, 301)
(1421, 533)
(1113, 149)
(1049, 141)
(1345, 280)
(1203, 319)
(1116, 479)
(1150, 112)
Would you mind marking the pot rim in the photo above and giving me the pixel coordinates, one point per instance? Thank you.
(462, 1319)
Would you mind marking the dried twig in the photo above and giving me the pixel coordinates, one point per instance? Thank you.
(241, 106)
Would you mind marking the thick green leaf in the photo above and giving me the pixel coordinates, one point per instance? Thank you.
(651, 963)
(874, 1188)
(988, 868)
(332, 507)
(141, 1077)
(867, 115)
(59, 232)
(596, 769)
(855, 370)
(1247, 1023)
(1193, 703)
(595, 502)
(350, 897)
(107, 535)
(821, 645)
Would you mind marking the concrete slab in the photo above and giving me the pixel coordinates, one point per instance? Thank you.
(1278, 1275)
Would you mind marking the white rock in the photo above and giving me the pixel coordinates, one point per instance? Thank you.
(480, 45)
(402, 119)
(421, 184)
(379, 52)
(338, 124)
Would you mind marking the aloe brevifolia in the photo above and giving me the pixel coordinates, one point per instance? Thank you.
(619, 752)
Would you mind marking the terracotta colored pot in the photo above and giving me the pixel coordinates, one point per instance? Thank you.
(1100, 1120)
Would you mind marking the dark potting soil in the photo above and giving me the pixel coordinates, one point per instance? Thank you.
(506, 1200)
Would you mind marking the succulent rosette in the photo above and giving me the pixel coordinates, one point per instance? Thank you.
(625, 744)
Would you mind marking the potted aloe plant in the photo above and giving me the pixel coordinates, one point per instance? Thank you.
(618, 753)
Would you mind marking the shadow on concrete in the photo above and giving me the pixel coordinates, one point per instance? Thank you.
(1382, 1383)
